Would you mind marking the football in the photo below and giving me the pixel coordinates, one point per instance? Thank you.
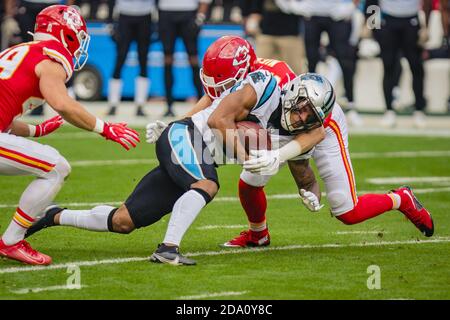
(253, 136)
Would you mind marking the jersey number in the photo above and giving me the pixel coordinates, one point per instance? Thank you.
(11, 59)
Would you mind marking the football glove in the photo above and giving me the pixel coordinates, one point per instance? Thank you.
(154, 130)
(120, 133)
(310, 200)
(263, 162)
(46, 127)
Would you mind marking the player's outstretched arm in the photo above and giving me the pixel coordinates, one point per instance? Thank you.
(52, 85)
(233, 108)
(308, 187)
(201, 104)
(22, 129)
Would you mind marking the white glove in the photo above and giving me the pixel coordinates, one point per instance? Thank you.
(154, 130)
(310, 200)
(263, 162)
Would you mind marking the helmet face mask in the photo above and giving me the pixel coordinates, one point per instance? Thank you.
(226, 62)
(306, 101)
(300, 115)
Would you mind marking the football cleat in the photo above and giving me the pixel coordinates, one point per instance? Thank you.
(23, 252)
(48, 220)
(249, 238)
(170, 255)
(415, 211)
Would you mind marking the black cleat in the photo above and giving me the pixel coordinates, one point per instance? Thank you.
(112, 111)
(48, 220)
(169, 114)
(140, 112)
(170, 255)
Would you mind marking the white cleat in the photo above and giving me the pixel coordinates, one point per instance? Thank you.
(389, 119)
(420, 120)
(355, 119)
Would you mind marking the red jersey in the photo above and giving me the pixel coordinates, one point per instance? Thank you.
(280, 70)
(19, 85)
(282, 73)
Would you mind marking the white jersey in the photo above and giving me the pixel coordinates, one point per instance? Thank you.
(268, 98)
(135, 7)
(400, 8)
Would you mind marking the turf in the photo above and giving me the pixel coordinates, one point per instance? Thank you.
(311, 269)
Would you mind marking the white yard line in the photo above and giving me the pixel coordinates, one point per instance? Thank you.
(358, 232)
(393, 180)
(400, 154)
(52, 288)
(123, 162)
(235, 199)
(210, 227)
(223, 252)
(213, 295)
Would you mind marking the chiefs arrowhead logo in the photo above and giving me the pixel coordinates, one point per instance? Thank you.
(241, 56)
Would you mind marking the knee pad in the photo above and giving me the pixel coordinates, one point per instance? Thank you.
(340, 202)
(255, 180)
(63, 167)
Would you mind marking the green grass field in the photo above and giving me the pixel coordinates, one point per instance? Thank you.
(312, 256)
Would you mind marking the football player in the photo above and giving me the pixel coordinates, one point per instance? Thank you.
(331, 157)
(31, 73)
(186, 179)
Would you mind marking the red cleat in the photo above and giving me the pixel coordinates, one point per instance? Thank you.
(415, 211)
(23, 252)
(249, 238)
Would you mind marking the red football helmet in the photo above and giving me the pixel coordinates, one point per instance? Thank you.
(227, 61)
(68, 26)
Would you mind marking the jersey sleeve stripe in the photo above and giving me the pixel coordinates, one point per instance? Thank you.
(268, 91)
(55, 55)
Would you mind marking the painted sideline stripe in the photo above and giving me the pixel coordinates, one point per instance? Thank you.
(52, 288)
(90, 263)
(213, 295)
(234, 199)
(389, 180)
(354, 155)
(210, 227)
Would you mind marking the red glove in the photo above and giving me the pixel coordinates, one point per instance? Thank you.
(46, 127)
(120, 133)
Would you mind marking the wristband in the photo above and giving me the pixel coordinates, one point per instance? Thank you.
(290, 150)
(32, 130)
(99, 125)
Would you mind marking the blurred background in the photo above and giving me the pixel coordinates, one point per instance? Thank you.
(389, 59)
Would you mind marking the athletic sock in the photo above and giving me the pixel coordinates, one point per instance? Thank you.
(253, 200)
(184, 212)
(95, 219)
(368, 206)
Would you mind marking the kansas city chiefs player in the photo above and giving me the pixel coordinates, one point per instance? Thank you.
(220, 68)
(31, 73)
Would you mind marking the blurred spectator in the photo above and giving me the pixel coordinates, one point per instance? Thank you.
(134, 24)
(9, 26)
(27, 12)
(184, 19)
(335, 18)
(224, 11)
(94, 6)
(401, 31)
(280, 37)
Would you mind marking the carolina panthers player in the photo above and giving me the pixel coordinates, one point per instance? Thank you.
(186, 179)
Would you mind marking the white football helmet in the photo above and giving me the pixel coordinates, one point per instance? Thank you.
(308, 92)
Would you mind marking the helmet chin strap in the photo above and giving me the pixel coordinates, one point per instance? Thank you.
(40, 36)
